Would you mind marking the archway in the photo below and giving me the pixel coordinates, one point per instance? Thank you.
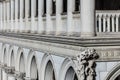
(49, 71)
(33, 69)
(71, 75)
(22, 64)
(12, 59)
(118, 78)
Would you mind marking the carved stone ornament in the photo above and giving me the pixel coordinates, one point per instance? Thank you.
(86, 65)
(9, 70)
(2, 65)
(19, 75)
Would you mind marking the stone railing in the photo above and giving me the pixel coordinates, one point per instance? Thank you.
(108, 21)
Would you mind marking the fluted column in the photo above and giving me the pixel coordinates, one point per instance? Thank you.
(16, 16)
(59, 28)
(71, 29)
(49, 27)
(87, 18)
(41, 28)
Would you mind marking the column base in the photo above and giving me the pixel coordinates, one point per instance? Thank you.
(74, 34)
(87, 34)
(61, 33)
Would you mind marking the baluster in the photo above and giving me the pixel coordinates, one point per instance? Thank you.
(99, 23)
(113, 24)
(104, 23)
(108, 23)
(117, 23)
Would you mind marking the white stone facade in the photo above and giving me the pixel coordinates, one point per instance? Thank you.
(58, 40)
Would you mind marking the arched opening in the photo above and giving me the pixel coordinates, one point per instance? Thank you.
(44, 13)
(12, 61)
(18, 9)
(77, 5)
(71, 75)
(53, 7)
(5, 56)
(36, 15)
(34, 70)
(29, 8)
(23, 9)
(118, 78)
(64, 6)
(22, 64)
(49, 72)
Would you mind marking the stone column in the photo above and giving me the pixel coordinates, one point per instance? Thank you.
(59, 28)
(21, 16)
(33, 27)
(41, 27)
(11, 77)
(87, 18)
(49, 26)
(1, 21)
(27, 26)
(4, 16)
(4, 75)
(16, 16)
(11, 19)
(8, 15)
(70, 26)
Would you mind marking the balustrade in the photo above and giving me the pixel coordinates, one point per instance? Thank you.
(108, 21)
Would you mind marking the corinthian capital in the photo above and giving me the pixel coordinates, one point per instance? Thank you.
(19, 75)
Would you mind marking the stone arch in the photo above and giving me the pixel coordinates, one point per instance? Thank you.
(32, 66)
(70, 74)
(114, 73)
(11, 57)
(47, 62)
(49, 71)
(33, 69)
(20, 60)
(4, 54)
(68, 70)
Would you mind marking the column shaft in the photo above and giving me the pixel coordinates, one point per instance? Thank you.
(12, 7)
(1, 16)
(87, 18)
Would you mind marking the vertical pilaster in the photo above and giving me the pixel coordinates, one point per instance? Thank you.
(4, 75)
(8, 14)
(87, 18)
